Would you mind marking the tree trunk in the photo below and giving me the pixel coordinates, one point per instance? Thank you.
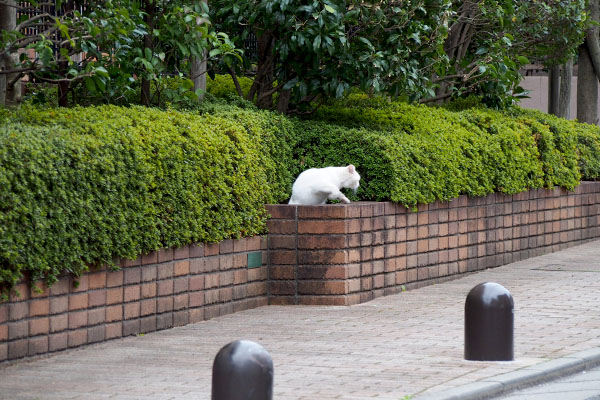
(263, 81)
(587, 88)
(8, 22)
(553, 89)
(198, 75)
(564, 99)
(198, 70)
(149, 17)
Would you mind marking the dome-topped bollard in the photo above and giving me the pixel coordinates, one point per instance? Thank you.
(489, 323)
(242, 370)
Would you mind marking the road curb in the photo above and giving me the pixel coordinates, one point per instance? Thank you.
(521, 378)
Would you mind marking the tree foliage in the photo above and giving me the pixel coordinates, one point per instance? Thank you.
(105, 48)
(315, 49)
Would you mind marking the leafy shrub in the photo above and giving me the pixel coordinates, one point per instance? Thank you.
(82, 186)
(222, 85)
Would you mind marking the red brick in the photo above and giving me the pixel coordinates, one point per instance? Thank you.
(329, 211)
(18, 330)
(18, 311)
(57, 341)
(181, 285)
(38, 345)
(322, 242)
(322, 287)
(165, 255)
(286, 272)
(240, 260)
(3, 312)
(181, 253)
(18, 349)
(181, 268)
(165, 287)
(323, 300)
(77, 338)
(38, 326)
(282, 241)
(3, 333)
(114, 313)
(97, 298)
(78, 301)
(281, 211)
(97, 280)
(131, 310)
(211, 249)
(19, 293)
(196, 299)
(80, 284)
(211, 296)
(114, 296)
(114, 330)
(284, 227)
(114, 278)
(323, 257)
(165, 271)
(240, 276)
(226, 278)
(96, 316)
(131, 293)
(256, 274)
(164, 304)
(96, 334)
(148, 307)
(322, 272)
(321, 226)
(211, 264)
(133, 275)
(148, 290)
(282, 256)
(226, 262)
(196, 315)
(77, 319)
(150, 258)
(226, 247)
(278, 288)
(59, 323)
(255, 243)
(180, 301)
(38, 290)
(196, 283)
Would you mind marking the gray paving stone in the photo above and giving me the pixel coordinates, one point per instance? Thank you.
(409, 344)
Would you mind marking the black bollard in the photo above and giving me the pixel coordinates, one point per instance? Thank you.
(242, 370)
(489, 323)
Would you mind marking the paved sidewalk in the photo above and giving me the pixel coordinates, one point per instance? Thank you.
(395, 346)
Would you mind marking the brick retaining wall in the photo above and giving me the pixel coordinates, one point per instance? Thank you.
(348, 254)
(160, 290)
(334, 254)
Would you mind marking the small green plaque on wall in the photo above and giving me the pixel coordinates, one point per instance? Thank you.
(255, 259)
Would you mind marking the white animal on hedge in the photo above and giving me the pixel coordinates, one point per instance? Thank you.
(316, 185)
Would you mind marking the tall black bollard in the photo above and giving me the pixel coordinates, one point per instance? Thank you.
(242, 370)
(489, 323)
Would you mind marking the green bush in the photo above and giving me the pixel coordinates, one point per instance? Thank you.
(223, 86)
(85, 185)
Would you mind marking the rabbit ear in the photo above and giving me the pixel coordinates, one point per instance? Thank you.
(351, 168)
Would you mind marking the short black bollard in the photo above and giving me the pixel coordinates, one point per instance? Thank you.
(242, 370)
(489, 323)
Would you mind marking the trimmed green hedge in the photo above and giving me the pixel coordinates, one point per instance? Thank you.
(82, 186)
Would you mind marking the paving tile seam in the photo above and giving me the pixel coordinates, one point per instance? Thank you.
(519, 379)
